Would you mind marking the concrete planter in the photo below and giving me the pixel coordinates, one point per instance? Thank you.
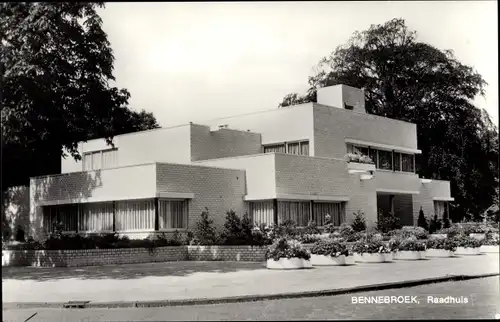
(478, 236)
(489, 249)
(408, 255)
(389, 257)
(356, 167)
(371, 258)
(432, 252)
(323, 260)
(288, 263)
(438, 236)
(349, 260)
(423, 255)
(467, 251)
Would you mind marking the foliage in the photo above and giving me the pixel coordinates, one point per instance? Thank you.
(446, 220)
(467, 242)
(329, 225)
(422, 221)
(56, 71)
(370, 246)
(205, 233)
(346, 232)
(359, 222)
(329, 247)
(312, 228)
(442, 243)
(491, 239)
(241, 231)
(409, 231)
(309, 238)
(435, 224)
(359, 158)
(287, 248)
(415, 82)
(406, 244)
(387, 222)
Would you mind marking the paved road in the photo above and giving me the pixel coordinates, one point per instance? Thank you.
(483, 302)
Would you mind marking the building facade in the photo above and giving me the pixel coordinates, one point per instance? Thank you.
(286, 163)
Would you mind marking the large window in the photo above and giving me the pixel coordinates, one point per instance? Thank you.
(297, 148)
(335, 210)
(262, 212)
(407, 162)
(439, 207)
(135, 215)
(387, 160)
(94, 217)
(100, 159)
(66, 215)
(298, 211)
(172, 214)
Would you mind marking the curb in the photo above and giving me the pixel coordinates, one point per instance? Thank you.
(253, 298)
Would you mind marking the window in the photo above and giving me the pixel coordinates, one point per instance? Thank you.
(439, 207)
(135, 215)
(407, 162)
(93, 217)
(297, 148)
(385, 160)
(67, 215)
(373, 156)
(299, 212)
(100, 159)
(335, 210)
(397, 161)
(262, 212)
(172, 214)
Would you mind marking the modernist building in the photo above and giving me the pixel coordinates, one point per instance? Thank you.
(286, 163)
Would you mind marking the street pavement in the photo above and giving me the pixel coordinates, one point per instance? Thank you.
(212, 280)
(482, 294)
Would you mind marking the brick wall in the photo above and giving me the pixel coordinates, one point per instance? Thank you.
(227, 253)
(217, 189)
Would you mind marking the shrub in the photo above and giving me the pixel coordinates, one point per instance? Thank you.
(388, 222)
(491, 240)
(329, 247)
(406, 244)
(312, 228)
(435, 224)
(468, 242)
(370, 247)
(354, 157)
(442, 243)
(359, 222)
(346, 232)
(205, 233)
(418, 232)
(446, 219)
(287, 248)
(422, 221)
(328, 225)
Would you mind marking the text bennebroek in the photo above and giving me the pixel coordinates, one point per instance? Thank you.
(407, 299)
(329, 252)
(287, 254)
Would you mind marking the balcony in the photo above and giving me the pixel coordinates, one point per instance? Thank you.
(357, 163)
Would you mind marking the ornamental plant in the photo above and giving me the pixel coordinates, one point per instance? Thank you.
(359, 158)
(346, 231)
(309, 238)
(442, 243)
(312, 228)
(370, 247)
(407, 244)
(287, 248)
(422, 221)
(435, 224)
(329, 247)
(418, 232)
(467, 242)
(359, 222)
(491, 240)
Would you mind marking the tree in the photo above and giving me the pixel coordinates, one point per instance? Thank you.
(359, 222)
(446, 220)
(55, 82)
(415, 82)
(422, 222)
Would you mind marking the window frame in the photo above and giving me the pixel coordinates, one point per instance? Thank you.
(186, 215)
(100, 152)
(299, 142)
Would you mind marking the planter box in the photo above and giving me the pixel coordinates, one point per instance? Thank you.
(389, 257)
(285, 263)
(432, 252)
(322, 260)
(349, 260)
(467, 251)
(489, 249)
(356, 167)
(372, 258)
(477, 236)
(438, 236)
(408, 255)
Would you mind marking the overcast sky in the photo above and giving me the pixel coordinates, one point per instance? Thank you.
(197, 61)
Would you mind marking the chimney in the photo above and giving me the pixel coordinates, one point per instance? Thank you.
(342, 96)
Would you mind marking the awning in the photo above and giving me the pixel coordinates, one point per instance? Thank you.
(398, 191)
(443, 199)
(313, 197)
(384, 146)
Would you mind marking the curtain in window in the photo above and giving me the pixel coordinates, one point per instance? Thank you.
(65, 214)
(439, 208)
(278, 148)
(335, 210)
(293, 148)
(87, 162)
(109, 158)
(397, 161)
(96, 160)
(373, 156)
(94, 217)
(304, 148)
(385, 160)
(299, 212)
(407, 162)
(262, 212)
(350, 148)
(172, 214)
(135, 215)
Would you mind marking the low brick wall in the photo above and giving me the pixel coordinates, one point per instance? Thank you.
(227, 253)
(91, 257)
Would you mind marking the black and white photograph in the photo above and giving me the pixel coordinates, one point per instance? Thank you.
(240, 160)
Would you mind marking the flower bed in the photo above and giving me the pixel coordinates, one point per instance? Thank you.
(287, 254)
(371, 251)
(329, 252)
(407, 248)
(467, 245)
(440, 247)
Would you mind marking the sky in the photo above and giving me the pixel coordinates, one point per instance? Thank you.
(189, 62)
